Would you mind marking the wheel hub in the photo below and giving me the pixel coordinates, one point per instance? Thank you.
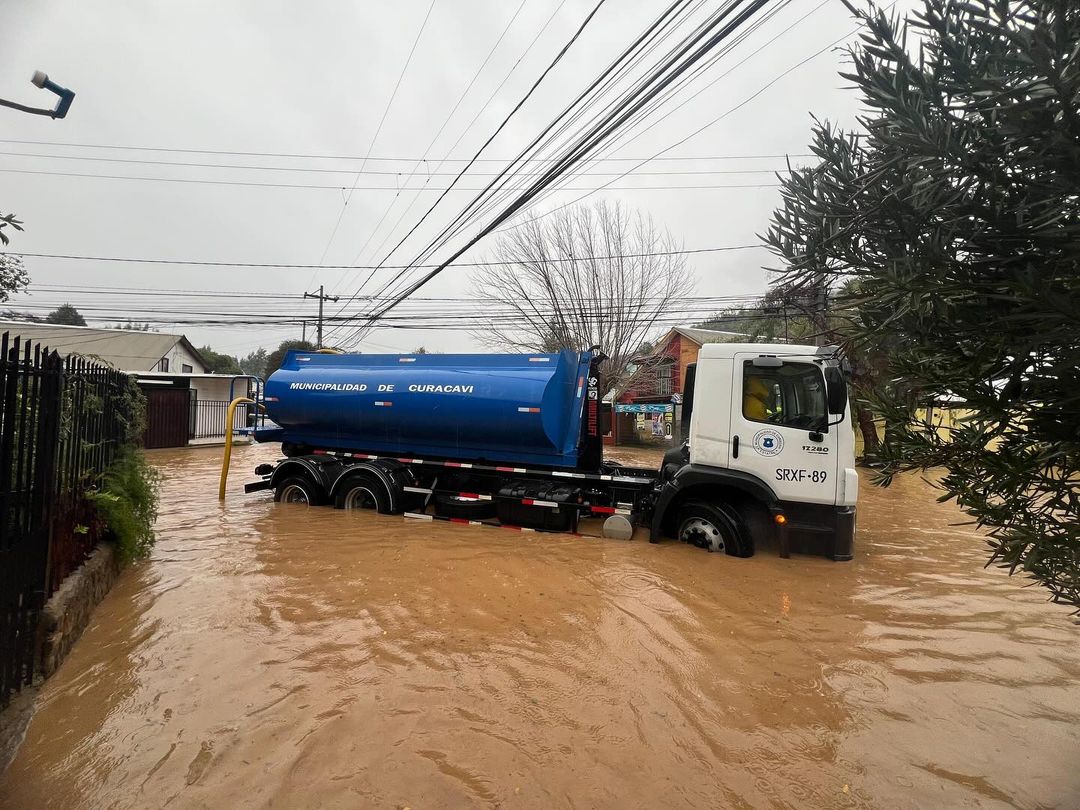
(295, 494)
(702, 533)
(360, 498)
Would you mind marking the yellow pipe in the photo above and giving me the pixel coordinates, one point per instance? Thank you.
(228, 443)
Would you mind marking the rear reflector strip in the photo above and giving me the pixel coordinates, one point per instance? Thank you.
(622, 479)
(528, 410)
(548, 504)
(539, 359)
(406, 359)
(383, 404)
(608, 510)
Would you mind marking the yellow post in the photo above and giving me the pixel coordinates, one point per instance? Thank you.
(228, 443)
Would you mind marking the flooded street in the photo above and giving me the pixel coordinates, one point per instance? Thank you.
(280, 656)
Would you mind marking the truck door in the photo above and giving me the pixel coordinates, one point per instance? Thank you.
(780, 427)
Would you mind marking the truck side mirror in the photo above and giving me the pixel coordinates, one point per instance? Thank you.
(836, 390)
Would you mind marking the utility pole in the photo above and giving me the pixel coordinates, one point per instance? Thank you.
(321, 295)
(822, 310)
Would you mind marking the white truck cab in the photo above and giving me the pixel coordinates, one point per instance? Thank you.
(770, 437)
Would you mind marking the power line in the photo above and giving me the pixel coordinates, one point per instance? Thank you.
(442, 127)
(575, 107)
(375, 137)
(310, 156)
(686, 101)
(271, 265)
(422, 306)
(502, 125)
(377, 173)
(693, 49)
(662, 29)
(444, 190)
(699, 130)
(476, 156)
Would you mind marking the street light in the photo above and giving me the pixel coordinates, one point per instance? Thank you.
(41, 80)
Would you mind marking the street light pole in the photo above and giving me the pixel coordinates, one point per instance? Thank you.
(42, 80)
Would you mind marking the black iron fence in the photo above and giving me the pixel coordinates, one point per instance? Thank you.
(62, 422)
(208, 418)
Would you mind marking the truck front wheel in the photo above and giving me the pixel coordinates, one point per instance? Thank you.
(715, 528)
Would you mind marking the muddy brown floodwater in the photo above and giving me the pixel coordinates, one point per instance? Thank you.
(280, 656)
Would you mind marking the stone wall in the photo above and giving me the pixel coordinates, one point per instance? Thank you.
(68, 611)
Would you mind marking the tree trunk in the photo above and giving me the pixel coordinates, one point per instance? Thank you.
(868, 430)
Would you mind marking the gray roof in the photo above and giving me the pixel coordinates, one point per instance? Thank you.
(126, 349)
(703, 336)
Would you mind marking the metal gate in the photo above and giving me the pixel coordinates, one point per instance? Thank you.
(168, 415)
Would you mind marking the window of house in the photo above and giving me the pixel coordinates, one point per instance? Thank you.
(663, 379)
(792, 395)
(185, 368)
(163, 364)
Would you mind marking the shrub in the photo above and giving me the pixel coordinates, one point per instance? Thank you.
(127, 502)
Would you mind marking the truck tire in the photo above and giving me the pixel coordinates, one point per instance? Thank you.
(363, 492)
(454, 507)
(715, 527)
(298, 489)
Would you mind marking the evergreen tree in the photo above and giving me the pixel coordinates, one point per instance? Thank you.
(66, 315)
(957, 212)
(220, 363)
(277, 357)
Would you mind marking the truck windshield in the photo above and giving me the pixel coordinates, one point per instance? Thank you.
(792, 395)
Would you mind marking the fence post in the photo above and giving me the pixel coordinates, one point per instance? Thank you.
(48, 442)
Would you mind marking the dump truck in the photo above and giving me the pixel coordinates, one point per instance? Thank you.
(515, 440)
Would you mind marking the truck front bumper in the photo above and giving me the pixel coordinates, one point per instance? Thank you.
(820, 529)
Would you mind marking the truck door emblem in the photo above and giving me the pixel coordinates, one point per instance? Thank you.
(768, 442)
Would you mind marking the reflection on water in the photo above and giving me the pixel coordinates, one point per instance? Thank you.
(301, 657)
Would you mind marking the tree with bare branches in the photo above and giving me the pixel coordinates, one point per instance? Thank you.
(589, 275)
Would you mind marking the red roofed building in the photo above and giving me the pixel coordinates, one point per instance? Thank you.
(648, 406)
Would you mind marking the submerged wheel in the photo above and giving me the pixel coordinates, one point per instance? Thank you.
(454, 506)
(363, 491)
(297, 490)
(715, 528)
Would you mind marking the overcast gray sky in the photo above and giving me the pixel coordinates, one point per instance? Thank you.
(315, 79)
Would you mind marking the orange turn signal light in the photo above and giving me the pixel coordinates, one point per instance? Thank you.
(780, 520)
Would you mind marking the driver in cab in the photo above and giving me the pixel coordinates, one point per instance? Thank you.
(756, 400)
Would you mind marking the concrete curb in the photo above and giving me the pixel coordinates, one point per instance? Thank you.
(67, 612)
(65, 616)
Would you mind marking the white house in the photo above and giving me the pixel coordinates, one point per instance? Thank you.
(185, 402)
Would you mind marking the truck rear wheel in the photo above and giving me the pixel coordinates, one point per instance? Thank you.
(363, 492)
(713, 527)
(298, 490)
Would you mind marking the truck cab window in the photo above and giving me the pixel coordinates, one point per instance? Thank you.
(792, 395)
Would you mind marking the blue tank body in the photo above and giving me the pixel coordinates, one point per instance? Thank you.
(472, 407)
